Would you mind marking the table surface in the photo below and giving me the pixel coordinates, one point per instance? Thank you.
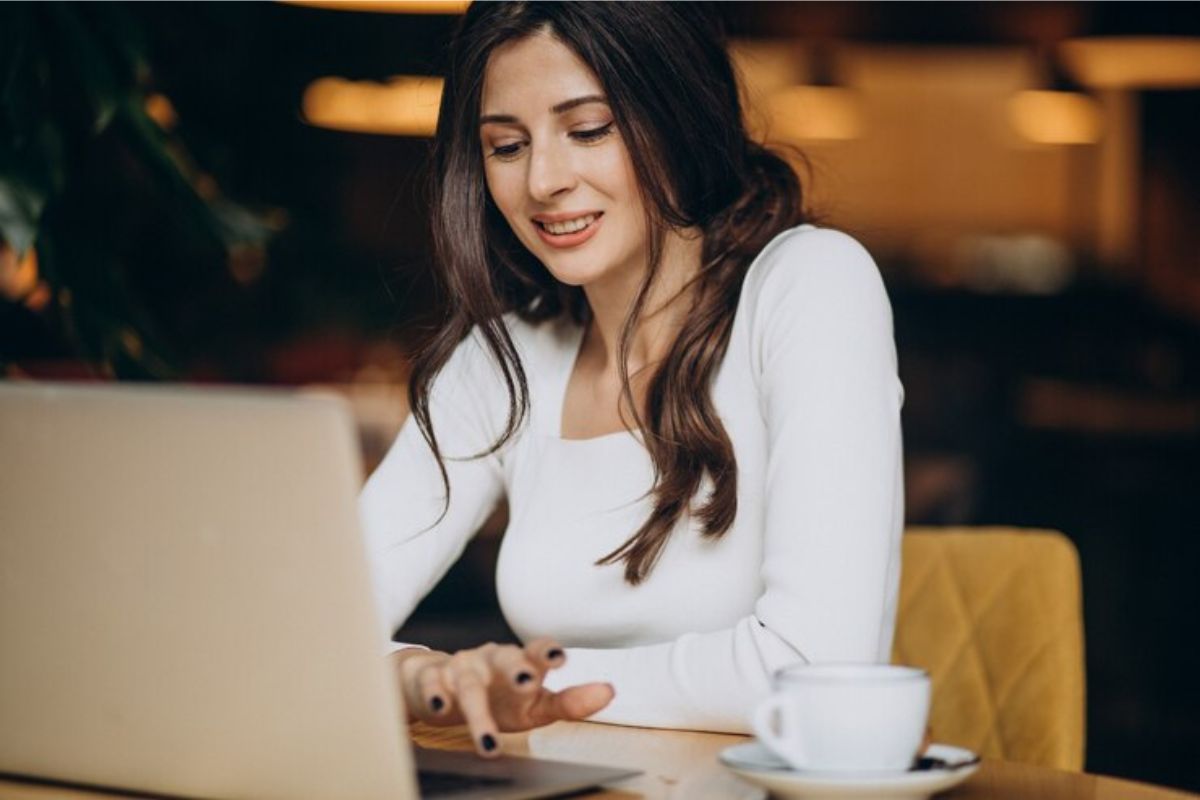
(683, 764)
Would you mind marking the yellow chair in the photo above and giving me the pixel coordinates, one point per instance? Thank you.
(995, 616)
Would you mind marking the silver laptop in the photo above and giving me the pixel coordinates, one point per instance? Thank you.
(185, 607)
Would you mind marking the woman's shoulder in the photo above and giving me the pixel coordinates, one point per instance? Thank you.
(809, 280)
(531, 339)
(541, 344)
(809, 258)
(540, 348)
(473, 379)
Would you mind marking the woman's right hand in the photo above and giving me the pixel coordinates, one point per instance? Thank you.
(492, 688)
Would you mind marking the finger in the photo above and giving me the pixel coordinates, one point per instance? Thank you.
(472, 697)
(515, 668)
(436, 697)
(545, 652)
(408, 664)
(575, 702)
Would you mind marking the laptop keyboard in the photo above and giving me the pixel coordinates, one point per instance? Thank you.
(436, 783)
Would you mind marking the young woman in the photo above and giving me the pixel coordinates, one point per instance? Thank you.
(688, 396)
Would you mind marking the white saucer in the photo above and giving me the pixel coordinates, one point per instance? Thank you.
(755, 763)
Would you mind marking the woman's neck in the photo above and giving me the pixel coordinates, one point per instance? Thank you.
(663, 313)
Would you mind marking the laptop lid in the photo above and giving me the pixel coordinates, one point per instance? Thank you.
(185, 605)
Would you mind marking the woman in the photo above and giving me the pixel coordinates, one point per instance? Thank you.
(689, 399)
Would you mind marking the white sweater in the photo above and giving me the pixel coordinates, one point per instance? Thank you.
(809, 395)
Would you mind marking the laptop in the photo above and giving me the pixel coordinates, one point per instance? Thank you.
(185, 606)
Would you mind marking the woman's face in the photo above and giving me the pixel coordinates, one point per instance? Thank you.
(553, 155)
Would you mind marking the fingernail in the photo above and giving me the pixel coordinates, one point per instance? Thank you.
(488, 742)
(554, 654)
(436, 703)
(524, 677)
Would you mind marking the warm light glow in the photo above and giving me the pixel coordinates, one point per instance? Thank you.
(18, 276)
(388, 6)
(132, 343)
(206, 186)
(815, 113)
(1055, 117)
(159, 108)
(404, 106)
(1134, 62)
(247, 263)
(39, 298)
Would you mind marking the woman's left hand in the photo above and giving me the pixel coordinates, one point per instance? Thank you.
(493, 688)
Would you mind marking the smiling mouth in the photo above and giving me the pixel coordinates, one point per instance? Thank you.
(563, 229)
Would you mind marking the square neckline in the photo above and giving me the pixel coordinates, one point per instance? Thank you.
(571, 353)
(574, 346)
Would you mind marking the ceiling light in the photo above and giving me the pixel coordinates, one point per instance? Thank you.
(405, 105)
(1134, 62)
(1047, 117)
(388, 6)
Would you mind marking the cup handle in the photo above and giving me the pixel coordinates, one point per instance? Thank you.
(761, 723)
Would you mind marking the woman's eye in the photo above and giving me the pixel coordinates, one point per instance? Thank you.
(509, 151)
(594, 134)
(506, 151)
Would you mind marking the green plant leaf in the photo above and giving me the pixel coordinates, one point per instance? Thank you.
(77, 145)
(18, 41)
(92, 71)
(31, 173)
(123, 37)
(230, 223)
(21, 207)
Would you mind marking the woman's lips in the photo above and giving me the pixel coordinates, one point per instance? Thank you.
(570, 239)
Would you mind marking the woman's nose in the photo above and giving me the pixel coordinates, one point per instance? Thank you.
(550, 172)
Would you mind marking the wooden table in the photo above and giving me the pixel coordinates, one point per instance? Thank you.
(683, 765)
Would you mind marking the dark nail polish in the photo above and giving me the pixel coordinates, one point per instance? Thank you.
(436, 703)
(488, 742)
(554, 654)
(523, 678)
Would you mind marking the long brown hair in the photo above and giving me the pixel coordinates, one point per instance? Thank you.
(674, 96)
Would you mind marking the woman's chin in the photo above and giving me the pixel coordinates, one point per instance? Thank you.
(573, 277)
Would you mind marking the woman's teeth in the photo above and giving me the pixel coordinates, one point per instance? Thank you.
(570, 226)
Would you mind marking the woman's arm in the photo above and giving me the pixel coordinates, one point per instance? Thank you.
(824, 357)
(491, 687)
(403, 498)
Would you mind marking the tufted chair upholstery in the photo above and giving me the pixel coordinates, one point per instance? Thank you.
(995, 616)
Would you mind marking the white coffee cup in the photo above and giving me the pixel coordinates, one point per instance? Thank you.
(845, 717)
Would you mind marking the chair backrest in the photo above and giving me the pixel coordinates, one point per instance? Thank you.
(995, 616)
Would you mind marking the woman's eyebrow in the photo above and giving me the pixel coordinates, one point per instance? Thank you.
(561, 108)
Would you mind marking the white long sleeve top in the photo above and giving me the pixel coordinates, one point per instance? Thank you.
(809, 395)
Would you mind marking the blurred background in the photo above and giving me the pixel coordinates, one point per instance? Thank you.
(232, 193)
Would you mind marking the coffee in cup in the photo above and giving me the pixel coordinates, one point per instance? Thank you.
(845, 717)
